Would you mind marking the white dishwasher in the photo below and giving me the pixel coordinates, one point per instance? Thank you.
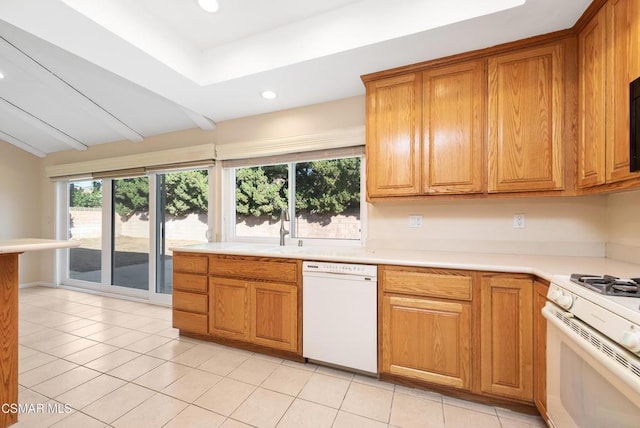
(339, 314)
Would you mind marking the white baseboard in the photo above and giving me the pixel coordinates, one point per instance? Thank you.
(37, 284)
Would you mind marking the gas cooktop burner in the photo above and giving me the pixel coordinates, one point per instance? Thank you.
(609, 285)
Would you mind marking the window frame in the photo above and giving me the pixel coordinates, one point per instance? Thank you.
(229, 205)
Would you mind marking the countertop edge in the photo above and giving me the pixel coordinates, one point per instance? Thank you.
(11, 246)
(542, 266)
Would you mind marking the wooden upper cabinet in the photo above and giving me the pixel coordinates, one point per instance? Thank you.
(609, 60)
(592, 48)
(622, 34)
(454, 100)
(393, 136)
(634, 48)
(526, 102)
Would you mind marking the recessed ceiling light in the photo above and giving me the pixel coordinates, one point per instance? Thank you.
(210, 6)
(269, 95)
(1, 75)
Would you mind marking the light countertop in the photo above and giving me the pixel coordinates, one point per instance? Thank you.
(33, 244)
(542, 266)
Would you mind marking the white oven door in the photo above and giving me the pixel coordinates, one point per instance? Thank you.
(591, 381)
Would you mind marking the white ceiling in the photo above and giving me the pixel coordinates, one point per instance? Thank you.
(86, 72)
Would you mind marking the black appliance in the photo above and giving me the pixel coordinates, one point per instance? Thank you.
(634, 121)
(609, 285)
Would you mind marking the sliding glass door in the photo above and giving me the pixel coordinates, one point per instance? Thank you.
(127, 227)
(130, 233)
(182, 218)
(85, 226)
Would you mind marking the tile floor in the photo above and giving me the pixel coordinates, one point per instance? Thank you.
(92, 361)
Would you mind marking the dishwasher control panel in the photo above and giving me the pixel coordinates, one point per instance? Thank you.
(340, 268)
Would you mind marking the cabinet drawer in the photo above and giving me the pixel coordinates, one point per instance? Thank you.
(189, 282)
(447, 285)
(190, 302)
(278, 270)
(189, 322)
(190, 263)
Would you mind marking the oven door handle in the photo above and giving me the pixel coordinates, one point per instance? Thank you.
(619, 361)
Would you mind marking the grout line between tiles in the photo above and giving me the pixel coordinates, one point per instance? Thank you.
(102, 325)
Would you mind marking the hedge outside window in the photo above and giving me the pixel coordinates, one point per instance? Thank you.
(325, 199)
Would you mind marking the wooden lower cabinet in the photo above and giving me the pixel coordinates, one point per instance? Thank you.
(428, 340)
(540, 289)
(507, 336)
(256, 301)
(229, 308)
(190, 293)
(263, 313)
(274, 315)
(480, 333)
(9, 287)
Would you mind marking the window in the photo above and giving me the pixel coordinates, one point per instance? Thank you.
(322, 196)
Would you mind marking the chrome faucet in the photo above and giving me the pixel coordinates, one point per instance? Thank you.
(284, 216)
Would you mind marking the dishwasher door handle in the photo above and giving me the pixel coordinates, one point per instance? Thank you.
(338, 276)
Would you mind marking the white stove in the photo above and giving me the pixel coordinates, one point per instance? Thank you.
(593, 354)
(616, 317)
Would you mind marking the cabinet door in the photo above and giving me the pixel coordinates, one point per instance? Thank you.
(453, 128)
(526, 97)
(274, 315)
(393, 136)
(540, 347)
(592, 48)
(229, 308)
(622, 35)
(506, 334)
(427, 340)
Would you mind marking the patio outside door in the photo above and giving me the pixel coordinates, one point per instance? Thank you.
(130, 233)
(181, 218)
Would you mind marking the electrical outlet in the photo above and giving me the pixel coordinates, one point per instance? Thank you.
(415, 221)
(518, 221)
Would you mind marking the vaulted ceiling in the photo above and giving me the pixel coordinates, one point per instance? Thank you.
(83, 72)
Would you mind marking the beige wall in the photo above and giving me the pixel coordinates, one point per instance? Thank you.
(623, 223)
(20, 204)
(301, 121)
(579, 225)
(562, 226)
